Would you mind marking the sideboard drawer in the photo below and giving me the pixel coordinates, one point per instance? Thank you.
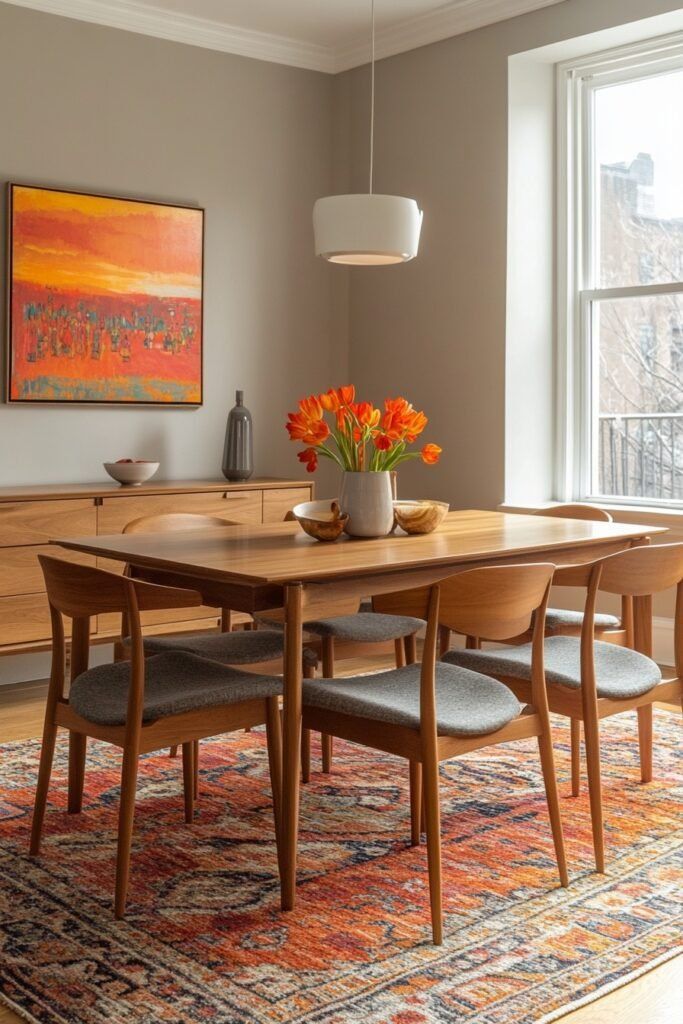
(37, 522)
(241, 506)
(26, 619)
(277, 503)
(111, 622)
(20, 571)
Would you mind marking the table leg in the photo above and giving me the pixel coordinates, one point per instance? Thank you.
(291, 741)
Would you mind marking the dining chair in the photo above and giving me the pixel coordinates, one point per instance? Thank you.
(568, 622)
(431, 711)
(244, 647)
(143, 704)
(589, 679)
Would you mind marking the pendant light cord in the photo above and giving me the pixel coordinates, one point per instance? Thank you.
(372, 93)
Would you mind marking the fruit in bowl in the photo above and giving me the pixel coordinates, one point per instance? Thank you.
(131, 472)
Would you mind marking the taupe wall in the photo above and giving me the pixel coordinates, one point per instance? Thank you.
(95, 108)
(435, 328)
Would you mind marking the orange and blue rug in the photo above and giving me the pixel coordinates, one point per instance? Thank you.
(204, 941)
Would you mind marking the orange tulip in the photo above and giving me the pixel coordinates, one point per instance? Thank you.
(366, 414)
(329, 401)
(382, 442)
(431, 454)
(308, 431)
(310, 457)
(311, 408)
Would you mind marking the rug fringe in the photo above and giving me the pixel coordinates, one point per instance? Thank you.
(611, 986)
(19, 1010)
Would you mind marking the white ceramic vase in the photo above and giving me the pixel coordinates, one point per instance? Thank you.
(368, 500)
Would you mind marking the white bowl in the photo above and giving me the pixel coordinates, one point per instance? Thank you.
(131, 474)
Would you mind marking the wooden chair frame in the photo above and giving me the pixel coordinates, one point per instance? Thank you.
(640, 571)
(79, 592)
(610, 634)
(499, 600)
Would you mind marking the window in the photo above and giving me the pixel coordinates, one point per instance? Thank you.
(622, 263)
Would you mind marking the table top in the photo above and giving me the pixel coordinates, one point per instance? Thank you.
(282, 553)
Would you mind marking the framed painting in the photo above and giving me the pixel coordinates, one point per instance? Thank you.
(105, 299)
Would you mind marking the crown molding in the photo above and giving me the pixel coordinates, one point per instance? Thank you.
(186, 28)
(451, 19)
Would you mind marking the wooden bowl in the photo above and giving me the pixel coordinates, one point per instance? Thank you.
(420, 516)
(320, 519)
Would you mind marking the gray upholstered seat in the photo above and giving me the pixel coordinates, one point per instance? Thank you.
(619, 671)
(243, 647)
(468, 704)
(561, 618)
(362, 627)
(174, 683)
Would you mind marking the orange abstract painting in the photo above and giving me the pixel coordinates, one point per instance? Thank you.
(105, 299)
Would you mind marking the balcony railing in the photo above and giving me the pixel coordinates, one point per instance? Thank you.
(641, 455)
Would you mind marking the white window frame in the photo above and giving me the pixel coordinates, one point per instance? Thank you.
(576, 83)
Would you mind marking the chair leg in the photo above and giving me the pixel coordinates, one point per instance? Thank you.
(591, 727)
(444, 640)
(129, 775)
(430, 782)
(575, 736)
(328, 750)
(77, 749)
(188, 781)
(645, 742)
(173, 751)
(416, 807)
(328, 673)
(400, 652)
(274, 740)
(411, 649)
(47, 753)
(195, 766)
(545, 749)
(306, 755)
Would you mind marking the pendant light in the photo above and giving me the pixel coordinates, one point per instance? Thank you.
(367, 229)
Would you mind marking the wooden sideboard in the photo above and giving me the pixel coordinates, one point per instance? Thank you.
(31, 516)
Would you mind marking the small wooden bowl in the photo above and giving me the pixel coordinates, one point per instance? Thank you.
(321, 519)
(420, 516)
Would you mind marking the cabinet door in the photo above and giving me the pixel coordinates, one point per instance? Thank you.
(280, 500)
(37, 522)
(20, 571)
(240, 506)
(26, 619)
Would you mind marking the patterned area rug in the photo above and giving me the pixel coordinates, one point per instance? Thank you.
(204, 941)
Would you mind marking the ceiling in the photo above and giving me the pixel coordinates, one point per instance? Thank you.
(323, 35)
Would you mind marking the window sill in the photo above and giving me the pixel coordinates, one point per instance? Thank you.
(649, 515)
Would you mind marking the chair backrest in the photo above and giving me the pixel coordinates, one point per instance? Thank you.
(169, 522)
(640, 571)
(643, 570)
(576, 510)
(81, 591)
(497, 602)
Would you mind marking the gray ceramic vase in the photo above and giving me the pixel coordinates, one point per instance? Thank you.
(238, 454)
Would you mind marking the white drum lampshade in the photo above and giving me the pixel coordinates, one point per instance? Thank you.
(366, 229)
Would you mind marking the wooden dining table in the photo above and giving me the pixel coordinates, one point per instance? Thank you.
(256, 568)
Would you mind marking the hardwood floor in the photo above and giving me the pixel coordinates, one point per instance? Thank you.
(652, 999)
